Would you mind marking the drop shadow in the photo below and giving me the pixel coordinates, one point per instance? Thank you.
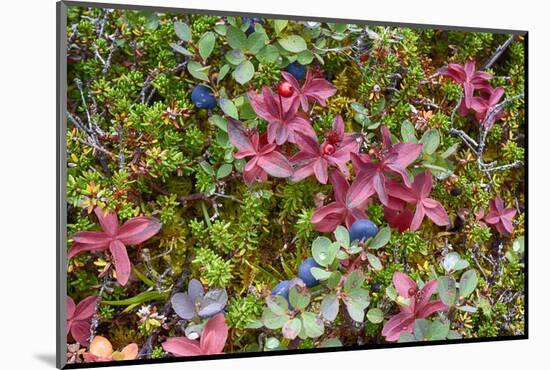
(46, 358)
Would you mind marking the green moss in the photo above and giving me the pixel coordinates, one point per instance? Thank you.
(241, 311)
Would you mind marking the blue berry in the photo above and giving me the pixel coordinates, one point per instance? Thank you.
(376, 287)
(202, 97)
(297, 70)
(304, 272)
(282, 289)
(251, 21)
(362, 230)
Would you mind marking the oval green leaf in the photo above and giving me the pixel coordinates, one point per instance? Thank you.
(468, 283)
(293, 43)
(244, 72)
(375, 315)
(206, 44)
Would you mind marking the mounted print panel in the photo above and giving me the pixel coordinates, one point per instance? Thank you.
(246, 185)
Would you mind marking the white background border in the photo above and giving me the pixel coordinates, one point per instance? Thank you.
(27, 134)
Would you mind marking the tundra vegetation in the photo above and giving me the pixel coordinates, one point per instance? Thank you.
(250, 184)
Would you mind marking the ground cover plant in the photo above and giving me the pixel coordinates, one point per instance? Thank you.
(240, 184)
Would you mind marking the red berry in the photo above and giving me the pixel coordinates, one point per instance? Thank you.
(329, 149)
(285, 89)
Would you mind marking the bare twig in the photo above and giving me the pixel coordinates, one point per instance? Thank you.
(471, 143)
(478, 147)
(97, 147)
(149, 343)
(498, 52)
(95, 318)
(145, 95)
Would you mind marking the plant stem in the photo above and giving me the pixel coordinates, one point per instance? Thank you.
(206, 215)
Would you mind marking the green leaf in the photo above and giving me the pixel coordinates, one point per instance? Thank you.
(453, 262)
(235, 57)
(291, 328)
(402, 301)
(430, 141)
(334, 279)
(141, 276)
(354, 281)
(229, 108)
(330, 343)
(381, 238)
(277, 304)
(254, 324)
(236, 38)
(219, 121)
(468, 283)
(239, 164)
(450, 261)
(467, 308)
(245, 108)
(207, 167)
(180, 49)
(232, 21)
(391, 293)
(359, 108)
(342, 236)
(223, 72)
(206, 44)
(279, 25)
(453, 334)
(313, 326)
(356, 310)
(182, 31)
(138, 299)
(360, 296)
(320, 273)
(446, 287)
(299, 298)
(255, 42)
(329, 307)
(272, 343)
(223, 139)
(374, 262)
(293, 43)
(450, 150)
(438, 330)
(152, 22)
(224, 170)
(462, 264)
(273, 321)
(244, 72)
(406, 338)
(221, 29)
(198, 71)
(519, 245)
(304, 57)
(408, 132)
(375, 315)
(268, 54)
(338, 27)
(323, 251)
(441, 168)
(379, 107)
(421, 327)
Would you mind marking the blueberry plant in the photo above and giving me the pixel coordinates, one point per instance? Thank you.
(250, 184)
